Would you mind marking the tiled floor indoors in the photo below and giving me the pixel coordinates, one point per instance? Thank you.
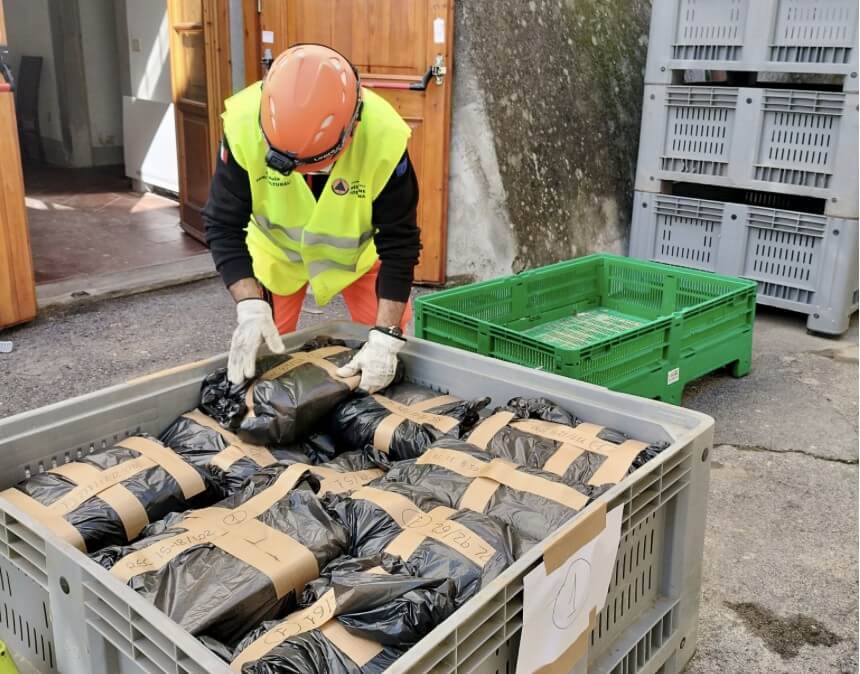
(88, 221)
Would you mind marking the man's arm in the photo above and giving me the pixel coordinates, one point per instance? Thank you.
(225, 217)
(398, 242)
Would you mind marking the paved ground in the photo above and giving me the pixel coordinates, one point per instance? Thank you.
(780, 587)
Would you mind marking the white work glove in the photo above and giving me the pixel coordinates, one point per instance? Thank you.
(255, 324)
(377, 361)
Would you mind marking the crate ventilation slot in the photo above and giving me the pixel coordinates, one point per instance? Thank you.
(811, 31)
(710, 31)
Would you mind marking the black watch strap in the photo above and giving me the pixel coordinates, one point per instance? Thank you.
(393, 330)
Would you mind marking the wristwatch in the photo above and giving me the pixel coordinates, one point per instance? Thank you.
(393, 330)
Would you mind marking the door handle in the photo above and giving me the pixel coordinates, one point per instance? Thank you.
(437, 70)
(9, 83)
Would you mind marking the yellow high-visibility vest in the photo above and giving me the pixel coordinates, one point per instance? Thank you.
(293, 238)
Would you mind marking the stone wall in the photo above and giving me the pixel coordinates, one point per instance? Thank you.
(546, 112)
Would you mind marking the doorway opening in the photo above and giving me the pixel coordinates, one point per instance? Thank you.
(98, 140)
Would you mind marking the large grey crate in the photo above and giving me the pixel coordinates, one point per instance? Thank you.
(772, 140)
(802, 262)
(61, 612)
(791, 36)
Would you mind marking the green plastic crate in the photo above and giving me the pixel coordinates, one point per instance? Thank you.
(632, 326)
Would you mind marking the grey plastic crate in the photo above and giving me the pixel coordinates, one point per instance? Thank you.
(802, 262)
(61, 612)
(772, 140)
(790, 36)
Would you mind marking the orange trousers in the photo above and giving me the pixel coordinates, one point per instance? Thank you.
(360, 298)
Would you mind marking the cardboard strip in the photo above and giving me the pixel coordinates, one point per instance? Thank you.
(410, 517)
(583, 530)
(236, 449)
(619, 458)
(399, 413)
(186, 475)
(313, 617)
(55, 523)
(576, 652)
(478, 494)
(359, 650)
(488, 428)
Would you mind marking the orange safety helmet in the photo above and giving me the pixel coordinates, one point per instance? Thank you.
(310, 105)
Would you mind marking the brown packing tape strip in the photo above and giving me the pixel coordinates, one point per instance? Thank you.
(487, 429)
(477, 495)
(359, 650)
(236, 449)
(582, 530)
(189, 480)
(411, 518)
(296, 359)
(287, 563)
(206, 526)
(562, 459)
(92, 482)
(406, 543)
(433, 403)
(105, 484)
(313, 617)
(317, 358)
(57, 524)
(619, 458)
(257, 505)
(340, 483)
(576, 652)
(399, 413)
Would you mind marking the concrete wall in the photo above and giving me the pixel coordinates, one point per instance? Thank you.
(547, 104)
(28, 27)
(102, 79)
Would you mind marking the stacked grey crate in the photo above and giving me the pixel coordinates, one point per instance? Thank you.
(754, 181)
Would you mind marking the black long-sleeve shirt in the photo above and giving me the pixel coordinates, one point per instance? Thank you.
(396, 233)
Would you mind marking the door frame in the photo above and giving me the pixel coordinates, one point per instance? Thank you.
(219, 86)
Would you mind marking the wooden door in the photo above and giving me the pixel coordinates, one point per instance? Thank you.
(393, 43)
(200, 77)
(17, 282)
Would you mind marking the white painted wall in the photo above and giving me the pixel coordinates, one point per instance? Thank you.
(150, 135)
(149, 55)
(101, 72)
(29, 34)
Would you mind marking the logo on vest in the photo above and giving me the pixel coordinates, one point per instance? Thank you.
(340, 187)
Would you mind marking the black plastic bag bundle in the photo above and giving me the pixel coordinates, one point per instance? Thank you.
(202, 441)
(108, 497)
(404, 421)
(288, 400)
(437, 542)
(538, 433)
(359, 617)
(532, 502)
(223, 570)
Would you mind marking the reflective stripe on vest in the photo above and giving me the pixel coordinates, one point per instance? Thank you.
(293, 238)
